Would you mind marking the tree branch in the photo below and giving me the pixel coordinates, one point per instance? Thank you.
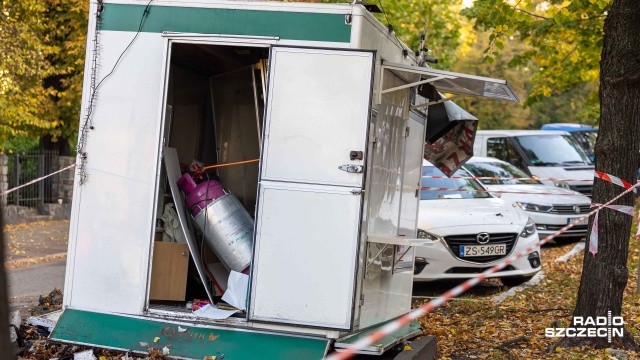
(504, 347)
(530, 13)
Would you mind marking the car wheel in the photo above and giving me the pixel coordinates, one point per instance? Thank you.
(515, 280)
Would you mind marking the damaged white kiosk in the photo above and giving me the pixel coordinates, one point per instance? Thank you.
(326, 111)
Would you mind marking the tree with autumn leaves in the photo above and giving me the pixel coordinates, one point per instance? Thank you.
(41, 67)
(573, 42)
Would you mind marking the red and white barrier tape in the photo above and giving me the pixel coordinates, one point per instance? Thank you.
(391, 327)
(598, 174)
(492, 191)
(501, 178)
(36, 180)
(615, 180)
(593, 238)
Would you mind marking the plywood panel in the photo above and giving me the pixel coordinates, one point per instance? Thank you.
(169, 274)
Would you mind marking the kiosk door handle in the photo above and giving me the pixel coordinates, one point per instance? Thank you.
(350, 168)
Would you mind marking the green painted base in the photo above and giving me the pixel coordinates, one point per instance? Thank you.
(126, 333)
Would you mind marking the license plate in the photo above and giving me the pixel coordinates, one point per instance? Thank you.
(482, 250)
(584, 221)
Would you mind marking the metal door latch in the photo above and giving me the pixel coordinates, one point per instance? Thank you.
(351, 168)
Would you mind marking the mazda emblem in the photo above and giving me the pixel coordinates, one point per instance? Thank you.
(576, 209)
(483, 238)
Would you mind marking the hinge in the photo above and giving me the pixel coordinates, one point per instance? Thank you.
(417, 192)
(361, 299)
(407, 131)
(357, 192)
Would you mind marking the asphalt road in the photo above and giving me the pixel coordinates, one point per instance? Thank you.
(26, 284)
(34, 249)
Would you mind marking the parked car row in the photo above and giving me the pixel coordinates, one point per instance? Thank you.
(476, 224)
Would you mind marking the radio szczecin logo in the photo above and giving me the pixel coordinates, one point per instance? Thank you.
(600, 326)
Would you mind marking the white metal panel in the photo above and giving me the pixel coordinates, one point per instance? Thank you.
(305, 255)
(317, 113)
(387, 293)
(385, 182)
(411, 176)
(113, 217)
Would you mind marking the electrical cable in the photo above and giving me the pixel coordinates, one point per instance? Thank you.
(230, 164)
(88, 124)
(389, 26)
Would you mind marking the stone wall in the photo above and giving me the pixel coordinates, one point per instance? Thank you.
(62, 183)
(4, 180)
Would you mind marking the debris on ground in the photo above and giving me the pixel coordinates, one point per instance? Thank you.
(44, 351)
(48, 303)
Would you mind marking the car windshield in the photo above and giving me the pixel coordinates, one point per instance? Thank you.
(449, 184)
(552, 150)
(501, 170)
(586, 139)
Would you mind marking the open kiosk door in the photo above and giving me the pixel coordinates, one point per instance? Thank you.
(310, 188)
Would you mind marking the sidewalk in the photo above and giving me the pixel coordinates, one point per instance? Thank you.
(35, 260)
(36, 240)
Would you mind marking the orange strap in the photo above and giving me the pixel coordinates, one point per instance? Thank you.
(230, 164)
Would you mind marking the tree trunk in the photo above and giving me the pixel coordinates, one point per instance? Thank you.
(604, 275)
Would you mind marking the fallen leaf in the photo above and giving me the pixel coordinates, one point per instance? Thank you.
(156, 339)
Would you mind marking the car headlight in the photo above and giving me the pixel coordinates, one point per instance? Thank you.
(529, 229)
(425, 235)
(535, 207)
(561, 184)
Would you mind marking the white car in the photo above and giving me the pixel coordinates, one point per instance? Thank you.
(550, 213)
(467, 232)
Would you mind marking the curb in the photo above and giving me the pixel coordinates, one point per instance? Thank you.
(29, 261)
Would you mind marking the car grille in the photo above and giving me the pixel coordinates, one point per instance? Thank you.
(568, 209)
(583, 189)
(454, 242)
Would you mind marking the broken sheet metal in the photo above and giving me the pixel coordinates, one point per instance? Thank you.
(211, 312)
(451, 131)
(172, 165)
(454, 148)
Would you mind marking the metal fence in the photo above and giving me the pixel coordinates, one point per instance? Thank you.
(26, 166)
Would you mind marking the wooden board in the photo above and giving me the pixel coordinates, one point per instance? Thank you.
(169, 271)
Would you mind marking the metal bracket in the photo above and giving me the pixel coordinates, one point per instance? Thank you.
(439, 101)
